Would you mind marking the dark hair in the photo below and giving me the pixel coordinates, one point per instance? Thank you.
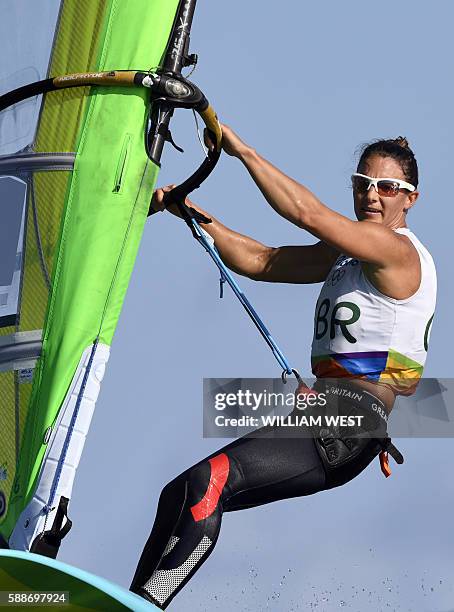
(396, 148)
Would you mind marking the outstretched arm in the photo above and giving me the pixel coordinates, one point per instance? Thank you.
(369, 242)
(248, 257)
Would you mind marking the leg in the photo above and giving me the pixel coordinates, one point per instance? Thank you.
(246, 473)
(269, 465)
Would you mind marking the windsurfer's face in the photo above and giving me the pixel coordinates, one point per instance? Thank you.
(370, 206)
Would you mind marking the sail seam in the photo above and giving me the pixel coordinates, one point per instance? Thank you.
(42, 162)
(39, 244)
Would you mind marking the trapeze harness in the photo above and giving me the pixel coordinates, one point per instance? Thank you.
(274, 463)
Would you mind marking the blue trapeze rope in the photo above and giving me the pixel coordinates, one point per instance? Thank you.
(208, 244)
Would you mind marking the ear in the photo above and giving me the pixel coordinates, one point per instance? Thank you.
(411, 200)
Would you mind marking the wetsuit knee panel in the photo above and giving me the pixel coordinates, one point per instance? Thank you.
(206, 483)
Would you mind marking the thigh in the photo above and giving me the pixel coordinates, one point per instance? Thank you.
(266, 467)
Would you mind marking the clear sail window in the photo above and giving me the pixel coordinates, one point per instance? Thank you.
(13, 193)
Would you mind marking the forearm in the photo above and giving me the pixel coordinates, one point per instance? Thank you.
(240, 253)
(286, 196)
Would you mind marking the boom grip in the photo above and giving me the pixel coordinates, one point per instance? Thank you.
(211, 121)
(113, 78)
(179, 193)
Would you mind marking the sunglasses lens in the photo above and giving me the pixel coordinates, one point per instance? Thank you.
(360, 184)
(388, 188)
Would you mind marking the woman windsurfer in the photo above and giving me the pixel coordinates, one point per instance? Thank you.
(372, 322)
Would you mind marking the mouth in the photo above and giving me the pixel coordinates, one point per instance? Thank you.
(370, 211)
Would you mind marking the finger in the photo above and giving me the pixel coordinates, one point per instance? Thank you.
(159, 194)
(208, 142)
(157, 202)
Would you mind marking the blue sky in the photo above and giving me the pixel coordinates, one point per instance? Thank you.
(305, 84)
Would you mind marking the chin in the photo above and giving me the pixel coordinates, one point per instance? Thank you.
(371, 219)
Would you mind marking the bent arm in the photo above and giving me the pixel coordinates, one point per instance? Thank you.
(250, 258)
(368, 242)
(299, 264)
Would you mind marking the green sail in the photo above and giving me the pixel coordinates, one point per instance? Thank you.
(87, 183)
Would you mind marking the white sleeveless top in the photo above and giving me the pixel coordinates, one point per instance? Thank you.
(360, 332)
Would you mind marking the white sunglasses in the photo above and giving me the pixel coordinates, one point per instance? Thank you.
(388, 187)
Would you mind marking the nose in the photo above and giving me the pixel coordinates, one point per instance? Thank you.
(372, 193)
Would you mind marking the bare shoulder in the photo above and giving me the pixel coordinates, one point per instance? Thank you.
(401, 278)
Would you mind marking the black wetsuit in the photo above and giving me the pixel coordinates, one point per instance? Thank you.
(270, 465)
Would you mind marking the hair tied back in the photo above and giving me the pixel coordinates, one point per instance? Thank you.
(402, 142)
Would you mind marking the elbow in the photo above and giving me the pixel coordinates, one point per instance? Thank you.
(261, 267)
(309, 213)
(306, 211)
(254, 267)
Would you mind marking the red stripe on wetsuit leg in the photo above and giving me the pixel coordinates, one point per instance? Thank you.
(219, 474)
